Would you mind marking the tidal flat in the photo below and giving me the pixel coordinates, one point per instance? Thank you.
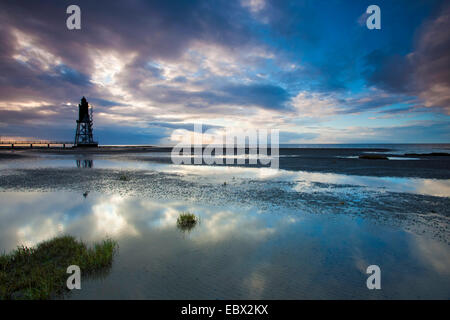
(301, 232)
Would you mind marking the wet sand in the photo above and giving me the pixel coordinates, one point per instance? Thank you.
(263, 233)
(420, 204)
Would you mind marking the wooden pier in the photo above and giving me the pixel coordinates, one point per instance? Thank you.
(36, 143)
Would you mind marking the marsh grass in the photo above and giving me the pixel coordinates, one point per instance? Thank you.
(40, 272)
(186, 221)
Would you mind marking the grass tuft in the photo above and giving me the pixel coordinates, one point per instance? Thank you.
(186, 221)
(40, 272)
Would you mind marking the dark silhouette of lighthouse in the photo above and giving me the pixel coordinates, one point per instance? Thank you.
(83, 135)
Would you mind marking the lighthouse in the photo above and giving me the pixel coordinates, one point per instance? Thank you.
(83, 134)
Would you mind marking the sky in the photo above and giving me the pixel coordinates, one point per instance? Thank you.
(151, 69)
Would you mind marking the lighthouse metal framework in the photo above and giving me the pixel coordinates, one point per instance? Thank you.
(83, 134)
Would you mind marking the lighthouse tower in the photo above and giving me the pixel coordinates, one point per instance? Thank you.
(83, 135)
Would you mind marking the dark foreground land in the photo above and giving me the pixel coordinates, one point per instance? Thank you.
(40, 272)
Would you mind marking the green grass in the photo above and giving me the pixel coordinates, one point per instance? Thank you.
(186, 221)
(40, 272)
(123, 178)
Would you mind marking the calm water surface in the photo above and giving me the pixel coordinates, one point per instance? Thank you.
(238, 250)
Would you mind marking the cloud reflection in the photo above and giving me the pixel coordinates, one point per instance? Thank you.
(236, 252)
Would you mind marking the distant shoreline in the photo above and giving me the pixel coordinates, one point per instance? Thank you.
(411, 161)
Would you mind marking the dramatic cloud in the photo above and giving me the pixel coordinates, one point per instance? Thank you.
(151, 68)
(425, 72)
(432, 62)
